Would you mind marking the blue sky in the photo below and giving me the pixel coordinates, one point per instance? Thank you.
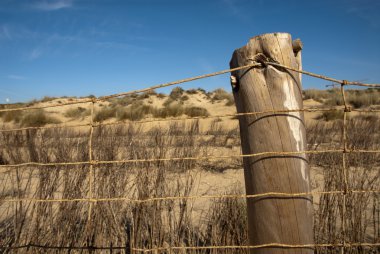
(82, 47)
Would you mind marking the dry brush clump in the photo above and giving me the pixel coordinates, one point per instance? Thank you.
(361, 217)
(32, 118)
(133, 108)
(167, 222)
(333, 97)
(110, 223)
(77, 112)
(221, 94)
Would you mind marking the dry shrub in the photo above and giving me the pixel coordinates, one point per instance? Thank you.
(191, 91)
(105, 114)
(47, 99)
(37, 118)
(167, 102)
(317, 95)
(220, 94)
(362, 211)
(331, 115)
(363, 98)
(161, 95)
(169, 110)
(136, 111)
(195, 111)
(176, 93)
(230, 100)
(166, 222)
(176, 109)
(185, 98)
(76, 112)
(227, 223)
(123, 101)
(333, 97)
(10, 116)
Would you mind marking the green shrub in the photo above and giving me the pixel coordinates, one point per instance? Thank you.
(37, 118)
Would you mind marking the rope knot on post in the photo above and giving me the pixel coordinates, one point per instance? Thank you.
(261, 58)
(347, 109)
(94, 162)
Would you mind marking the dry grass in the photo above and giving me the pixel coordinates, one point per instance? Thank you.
(167, 222)
(105, 114)
(178, 222)
(112, 223)
(362, 210)
(77, 112)
(32, 118)
(356, 98)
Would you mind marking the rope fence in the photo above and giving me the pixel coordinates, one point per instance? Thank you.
(174, 198)
(91, 162)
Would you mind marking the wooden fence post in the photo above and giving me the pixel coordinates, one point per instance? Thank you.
(274, 219)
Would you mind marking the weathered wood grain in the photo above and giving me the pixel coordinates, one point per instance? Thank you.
(274, 219)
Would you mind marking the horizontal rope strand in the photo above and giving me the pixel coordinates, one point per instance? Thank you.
(174, 198)
(268, 245)
(173, 158)
(102, 98)
(279, 245)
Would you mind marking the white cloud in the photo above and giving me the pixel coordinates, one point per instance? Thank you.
(16, 77)
(36, 53)
(7, 100)
(53, 5)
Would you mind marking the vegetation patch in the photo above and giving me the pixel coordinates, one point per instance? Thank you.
(176, 93)
(105, 114)
(196, 111)
(76, 112)
(37, 118)
(135, 112)
(331, 115)
(221, 94)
